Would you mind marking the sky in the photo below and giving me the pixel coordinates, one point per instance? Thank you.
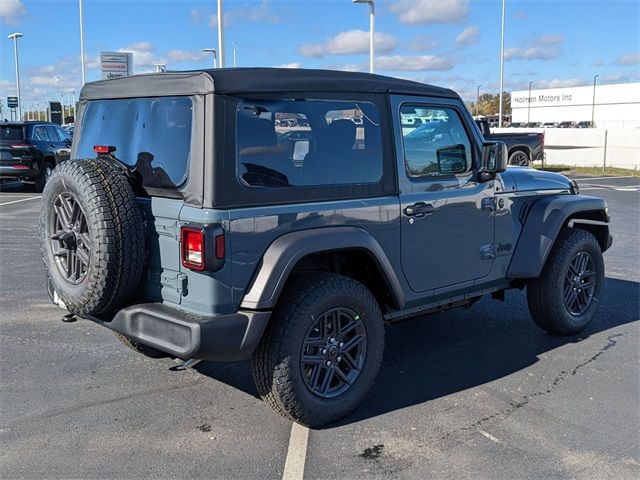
(450, 43)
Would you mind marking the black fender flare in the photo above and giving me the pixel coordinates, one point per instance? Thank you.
(284, 252)
(543, 223)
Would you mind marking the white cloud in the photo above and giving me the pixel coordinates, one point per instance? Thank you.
(290, 65)
(421, 12)
(628, 59)
(350, 42)
(422, 43)
(546, 47)
(143, 54)
(12, 11)
(263, 13)
(469, 36)
(186, 56)
(561, 83)
(413, 63)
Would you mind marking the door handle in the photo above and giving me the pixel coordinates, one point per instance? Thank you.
(419, 209)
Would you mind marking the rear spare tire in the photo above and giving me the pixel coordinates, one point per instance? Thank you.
(91, 234)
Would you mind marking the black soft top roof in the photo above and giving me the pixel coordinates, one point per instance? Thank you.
(255, 80)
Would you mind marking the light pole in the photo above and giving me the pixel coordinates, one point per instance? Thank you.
(528, 106)
(235, 53)
(214, 53)
(478, 100)
(220, 34)
(64, 114)
(82, 65)
(501, 66)
(15, 36)
(372, 16)
(593, 103)
(73, 102)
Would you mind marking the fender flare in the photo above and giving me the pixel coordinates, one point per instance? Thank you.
(543, 223)
(284, 252)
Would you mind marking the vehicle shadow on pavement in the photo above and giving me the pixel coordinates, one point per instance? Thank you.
(435, 356)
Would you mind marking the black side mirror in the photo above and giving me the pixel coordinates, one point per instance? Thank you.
(451, 160)
(494, 160)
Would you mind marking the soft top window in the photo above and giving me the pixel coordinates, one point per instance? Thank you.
(304, 142)
(153, 135)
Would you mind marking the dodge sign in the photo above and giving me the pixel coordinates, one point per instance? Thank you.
(116, 64)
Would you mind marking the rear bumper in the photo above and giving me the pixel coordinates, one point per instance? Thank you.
(186, 335)
(12, 172)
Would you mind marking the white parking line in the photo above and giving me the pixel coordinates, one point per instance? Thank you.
(297, 453)
(23, 200)
(601, 178)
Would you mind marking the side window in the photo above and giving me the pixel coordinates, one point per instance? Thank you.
(39, 133)
(308, 143)
(435, 142)
(62, 135)
(53, 134)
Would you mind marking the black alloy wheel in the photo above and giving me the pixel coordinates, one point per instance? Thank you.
(70, 239)
(579, 283)
(333, 352)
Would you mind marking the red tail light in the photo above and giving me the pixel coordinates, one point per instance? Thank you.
(20, 145)
(104, 149)
(21, 167)
(193, 253)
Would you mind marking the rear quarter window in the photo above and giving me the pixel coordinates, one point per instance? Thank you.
(152, 135)
(307, 142)
(11, 132)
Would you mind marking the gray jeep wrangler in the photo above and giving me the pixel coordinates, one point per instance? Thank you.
(287, 215)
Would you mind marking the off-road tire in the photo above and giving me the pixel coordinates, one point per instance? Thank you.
(545, 294)
(43, 177)
(276, 361)
(115, 232)
(145, 350)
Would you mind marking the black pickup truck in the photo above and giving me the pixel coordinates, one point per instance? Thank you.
(523, 147)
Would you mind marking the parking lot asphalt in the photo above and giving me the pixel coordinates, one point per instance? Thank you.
(471, 393)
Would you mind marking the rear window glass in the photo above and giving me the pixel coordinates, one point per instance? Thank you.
(11, 132)
(308, 143)
(153, 135)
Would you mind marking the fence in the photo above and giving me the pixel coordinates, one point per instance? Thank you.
(588, 147)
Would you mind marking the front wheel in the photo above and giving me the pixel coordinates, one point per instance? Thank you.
(322, 351)
(564, 299)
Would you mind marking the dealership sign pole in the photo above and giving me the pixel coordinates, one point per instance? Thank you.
(15, 37)
(220, 34)
(501, 66)
(83, 68)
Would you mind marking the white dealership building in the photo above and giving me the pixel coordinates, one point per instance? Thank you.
(612, 106)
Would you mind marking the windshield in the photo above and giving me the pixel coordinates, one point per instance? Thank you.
(153, 135)
(12, 132)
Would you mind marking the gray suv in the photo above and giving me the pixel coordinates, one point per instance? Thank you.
(287, 215)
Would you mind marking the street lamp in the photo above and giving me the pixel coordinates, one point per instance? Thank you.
(372, 15)
(15, 36)
(235, 53)
(220, 34)
(593, 103)
(478, 100)
(501, 65)
(83, 68)
(529, 106)
(214, 53)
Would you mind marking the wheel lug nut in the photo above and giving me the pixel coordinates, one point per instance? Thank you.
(324, 351)
(328, 363)
(341, 344)
(333, 340)
(339, 359)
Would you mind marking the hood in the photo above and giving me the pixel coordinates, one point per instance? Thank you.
(525, 179)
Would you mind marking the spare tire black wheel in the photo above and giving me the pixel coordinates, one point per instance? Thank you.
(92, 237)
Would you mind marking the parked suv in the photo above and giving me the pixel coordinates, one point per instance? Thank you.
(29, 151)
(188, 226)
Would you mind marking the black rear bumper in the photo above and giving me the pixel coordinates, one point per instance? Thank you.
(187, 335)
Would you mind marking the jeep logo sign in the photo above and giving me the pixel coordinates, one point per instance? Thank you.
(116, 64)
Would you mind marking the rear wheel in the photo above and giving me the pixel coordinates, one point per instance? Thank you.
(519, 157)
(45, 173)
(564, 299)
(322, 351)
